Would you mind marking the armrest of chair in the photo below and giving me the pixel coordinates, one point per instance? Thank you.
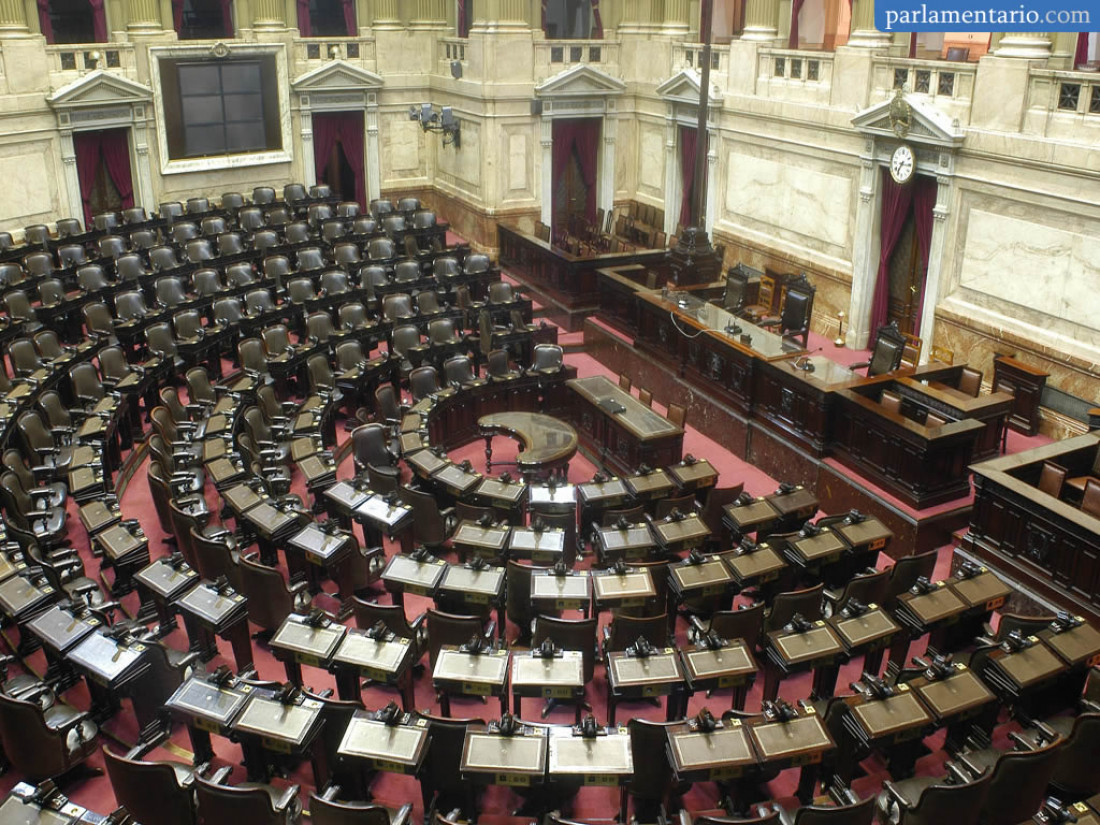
(894, 794)
(685, 817)
(221, 775)
(288, 796)
(402, 815)
(958, 774)
(859, 366)
(73, 722)
(298, 586)
(490, 629)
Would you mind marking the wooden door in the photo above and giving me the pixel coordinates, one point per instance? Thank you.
(906, 279)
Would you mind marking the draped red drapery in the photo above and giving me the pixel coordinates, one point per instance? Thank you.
(895, 208)
(227, 17)
(924, 200)
(597, 21)
(305, 25)
(463, 19)
(114, 148)
(99, 20)
(796, 7)
(579, 137)
(347, 128)
(1081, 53)
(689, 145)
(349, 18)
(44, 21)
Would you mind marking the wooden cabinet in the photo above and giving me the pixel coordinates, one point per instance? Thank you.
(1026, 384)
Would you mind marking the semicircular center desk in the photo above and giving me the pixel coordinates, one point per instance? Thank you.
(547, 443)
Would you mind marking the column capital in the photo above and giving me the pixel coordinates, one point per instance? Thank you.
(761, 20)
(864, 34)
(13, 19)
(1031, 45)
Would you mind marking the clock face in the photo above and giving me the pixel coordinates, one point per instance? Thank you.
(902, 164)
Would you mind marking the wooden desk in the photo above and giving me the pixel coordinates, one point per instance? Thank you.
(491, 758)
(59, 631)
(922, 613)
(959, 702)
(622, 431)
(710, 756)
(709, 577)
(267, 725)
(552, 498)
(630, 542)
(546, 546)
(162, 583)
(399, 748)
(1040, 539)
(547, 443)
(560, 676)
(596, 497)
(1018, 676)
(795, 506)
(470, 674)
(893, 725)
(628, 589)
(404, 574)
(508, 498)
(22, 599)
(757, 516)
(331, 550)
(730, 666)
(483, 541)
(112, 669)
(817, 649)
(1077, 646)
(926, 389)
(385, 516)
(632, 677)
(208, 612)
(604, 760)
(206, 707)
(800, 742)
(869, 634)
(811, 550)
(552, 592)
(754, 565)
(126, 549)
(297, 643)
(19, 809)
(476, 589)
(694, 475)
(652, 485)
(678, 535)
(1025, 384)
(387, 660)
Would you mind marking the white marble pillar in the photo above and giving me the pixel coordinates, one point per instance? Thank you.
(761, 20)
(143, 16)
(865, 253)
(672, 174)
(605, 195)
(374, 152)
(309, 162)
(268, 14)
(676, 17)
(933, 277)
(864, 34)
(712, 181)
(386, 14)
(546, 195)
(13, 19)
(1032, 45)
(428, 14)
(72, 178)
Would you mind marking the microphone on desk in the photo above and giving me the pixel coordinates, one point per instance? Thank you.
(804, 363)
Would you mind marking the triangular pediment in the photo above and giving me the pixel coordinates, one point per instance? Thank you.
(927, 124)
(684, 88)
(100, 88)
(580, 81)
(337, 76)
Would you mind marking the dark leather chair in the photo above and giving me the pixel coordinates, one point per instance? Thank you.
(891, 402)
(926, 800)
(432, 525)
(1090, 501)
(327, 810)
(159, 792)
(625, 630)
(886, 352)
(270, 599)
(970, 381)
(746, 623)
(369, 613)
(449, 629)
(905, 573)
(652, 781)
(250, 803)
(216, 553)
(808, 602)
(371, 446)
(1019, 782)
(570, 634)
(44, 744)
(868, 587)
(442, 783)
(1052, 477)
(45, 496)
(798, 306)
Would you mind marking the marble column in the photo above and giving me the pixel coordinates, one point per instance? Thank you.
(374, 152)
(268, 14)
(864, 34)
(13, 19)
(429, 14)
(865, 251)
(712, 181)
(934, 274)
(761, 20)
(676, 16)
(672, 173)
(546, 195)
(387, 15)
(605, 195)
(143, 16)
(1032, 45)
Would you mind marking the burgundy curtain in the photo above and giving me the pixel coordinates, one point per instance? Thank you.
(305, 25)
(347, 128)
(88, 146)
(580, 136)
(177, 15)
(1081, 53)
(924, 199)
(462, 20)
(688, 148)
(349, 18)
(597, 21)
(912, 45)
(796, 7)
(544, 16)
(99, 20)
(44, 19)
(114, 148)
(895, 208)
(227, 17)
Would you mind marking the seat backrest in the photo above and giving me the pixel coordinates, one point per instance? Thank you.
(746, 624)
(1090, 501)
(369, 445)
(861, 813)
(428, 525)
(225, 803)
(269, 600)
(441, 331)
(970, 381)
(785, 605)
(570, 634)
(888, 350)
(396, 306)
(1019, 784)
(866, 588)
(442, 763)
(797, 306)
(321, 379)
(445, 266)
(208, 281)
(891, 402)
(458, 370)
(1077, 772)
(406, 271)
(1051, 479)
(949, 803)
(34, 750)
(625, 630)
(449, 629)
(427, 302)
(423, 381)
(149, 790)
(498, 365)
(905, 573)
(369, 613)
(652, 777)
(334, 281)
(547, 357)
(331, 812)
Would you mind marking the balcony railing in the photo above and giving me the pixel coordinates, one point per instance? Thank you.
(310, 52)
(554, 56)
(793, 74)
(69, 62)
